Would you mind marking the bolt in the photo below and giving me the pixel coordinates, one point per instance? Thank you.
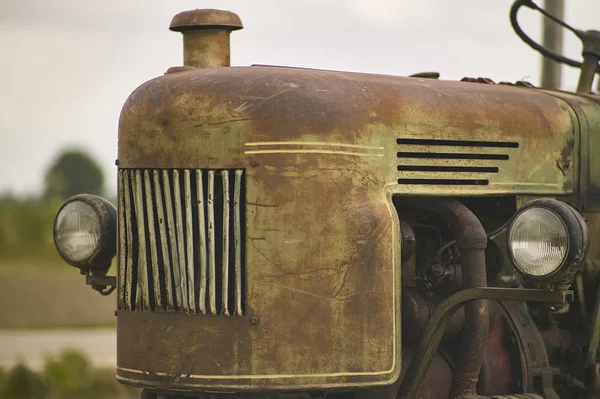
(254, 163)
(254, 320)
(437, 270)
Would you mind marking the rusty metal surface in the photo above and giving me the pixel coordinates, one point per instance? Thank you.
(206, 48)
(306, 298)
(273, 116)
(585, 112)
(205, 37)
(471, 240)
(319, 151)
(205, 19)
(435, 328)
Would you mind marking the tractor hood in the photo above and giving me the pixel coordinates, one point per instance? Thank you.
(410, 135)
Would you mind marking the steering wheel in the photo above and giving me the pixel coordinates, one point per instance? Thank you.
(590, 39)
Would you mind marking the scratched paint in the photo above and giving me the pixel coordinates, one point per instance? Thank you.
(320, 156)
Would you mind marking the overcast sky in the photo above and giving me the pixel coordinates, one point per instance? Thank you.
(67, 66)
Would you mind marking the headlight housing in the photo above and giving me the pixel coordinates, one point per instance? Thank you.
(85, 233)
(548, 241)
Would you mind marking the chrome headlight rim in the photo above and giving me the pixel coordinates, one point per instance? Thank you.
(99, 260)
(577, 239)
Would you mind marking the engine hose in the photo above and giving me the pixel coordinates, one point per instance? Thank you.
(471, 241)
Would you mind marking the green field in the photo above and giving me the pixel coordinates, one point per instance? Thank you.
(68, 376)
(42, 290)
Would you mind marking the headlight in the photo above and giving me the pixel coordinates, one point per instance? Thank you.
(85, 232)
(548, 241)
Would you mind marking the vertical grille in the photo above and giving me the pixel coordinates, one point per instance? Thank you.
(181, 240)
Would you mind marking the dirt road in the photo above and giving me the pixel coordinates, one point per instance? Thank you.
(37, 297)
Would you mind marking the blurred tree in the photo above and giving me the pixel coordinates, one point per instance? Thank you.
(73, 172)
(21, 383)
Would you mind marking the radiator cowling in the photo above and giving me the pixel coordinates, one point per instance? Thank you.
(320, 153)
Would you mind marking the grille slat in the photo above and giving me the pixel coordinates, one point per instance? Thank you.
(450, 162)
(237, 241)
(449, 169)
(201, 243)
(451, 155)
(152, 241)
(122, 246)
(459, 143)
(189, 234)
(225, 245)
(129, 285)
(180, 237)
(172, 239)
(180, 241)
(164, 245)
(143, 294)
(212, 300)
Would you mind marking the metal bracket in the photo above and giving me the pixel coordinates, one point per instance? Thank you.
(105, 285)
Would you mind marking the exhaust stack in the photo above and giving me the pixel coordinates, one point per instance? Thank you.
(206, 36)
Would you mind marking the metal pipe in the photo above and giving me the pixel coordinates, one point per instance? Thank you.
(471, 240)
(588, 73)
(475, 335)
(552, 38)
(416, 313)
(206, 36)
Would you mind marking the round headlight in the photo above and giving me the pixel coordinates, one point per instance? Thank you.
(548, 241)
(85, 232)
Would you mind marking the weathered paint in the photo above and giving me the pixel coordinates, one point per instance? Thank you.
(224, 118)
(586, 114)
(205, 37)
(320, 155)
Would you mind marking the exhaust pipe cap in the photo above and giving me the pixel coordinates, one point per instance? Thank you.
(205, 19)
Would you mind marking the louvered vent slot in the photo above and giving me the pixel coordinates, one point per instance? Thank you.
(181, 240)
(450, 162)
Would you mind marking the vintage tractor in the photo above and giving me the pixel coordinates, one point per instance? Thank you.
(287, 232)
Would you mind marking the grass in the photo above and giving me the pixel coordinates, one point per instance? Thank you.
(33, 262)
(50, 296)
(63, 326)
(67, 376)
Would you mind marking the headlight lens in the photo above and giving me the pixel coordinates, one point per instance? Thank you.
(538, 242)
(85, 232)
(548, 241)
(77, 231)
